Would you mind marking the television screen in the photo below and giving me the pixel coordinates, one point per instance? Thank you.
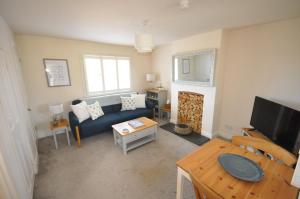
(279, 123)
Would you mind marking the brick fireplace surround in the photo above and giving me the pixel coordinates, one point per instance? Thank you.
(190, 109)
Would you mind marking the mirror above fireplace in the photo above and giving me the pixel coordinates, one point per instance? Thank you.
(195, 67)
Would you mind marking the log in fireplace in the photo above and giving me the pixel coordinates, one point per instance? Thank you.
(190, 110)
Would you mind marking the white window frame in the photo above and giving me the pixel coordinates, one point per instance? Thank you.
(104, 92)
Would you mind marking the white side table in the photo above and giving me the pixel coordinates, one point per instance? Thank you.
(62, 124)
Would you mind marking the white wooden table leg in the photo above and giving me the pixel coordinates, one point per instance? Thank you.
(68, 138)
(115, 136)
(124, 150)
(54, 137)
(124, 147)
(179, 184)
(155, 133)
(180, 174)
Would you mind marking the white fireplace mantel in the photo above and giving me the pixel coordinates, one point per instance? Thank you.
(208, 104)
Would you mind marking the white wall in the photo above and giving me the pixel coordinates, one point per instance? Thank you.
(33, 49)
(262, 60)
(197, 42)
(162, 65)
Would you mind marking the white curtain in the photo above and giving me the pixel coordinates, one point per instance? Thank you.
(18, 153)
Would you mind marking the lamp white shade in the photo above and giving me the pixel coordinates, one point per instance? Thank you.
(144, 43)
(150, 77)
(56, 109)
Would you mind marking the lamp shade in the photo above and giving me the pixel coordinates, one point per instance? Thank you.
(56, 109)
(144, 43)
(150, 77)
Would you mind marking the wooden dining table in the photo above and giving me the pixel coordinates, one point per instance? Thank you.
(205, 166)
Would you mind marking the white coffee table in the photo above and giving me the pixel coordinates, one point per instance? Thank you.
(135, 137)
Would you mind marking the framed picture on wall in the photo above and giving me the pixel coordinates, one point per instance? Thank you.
(57, 72)
(186, 66)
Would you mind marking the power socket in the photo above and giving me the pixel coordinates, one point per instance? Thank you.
(228, 127)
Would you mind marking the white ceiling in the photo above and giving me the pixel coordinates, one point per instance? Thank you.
(117, 21)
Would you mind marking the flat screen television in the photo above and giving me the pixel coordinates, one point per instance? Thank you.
(278, 122)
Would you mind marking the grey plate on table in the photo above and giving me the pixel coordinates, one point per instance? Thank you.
(241, 167)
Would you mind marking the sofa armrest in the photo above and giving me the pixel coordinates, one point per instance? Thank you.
(73, 122)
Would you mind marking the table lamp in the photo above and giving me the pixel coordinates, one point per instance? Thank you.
(56, 112)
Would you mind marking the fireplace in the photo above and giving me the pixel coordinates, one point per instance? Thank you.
(190, 110)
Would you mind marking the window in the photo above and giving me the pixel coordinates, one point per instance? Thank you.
(106, 74)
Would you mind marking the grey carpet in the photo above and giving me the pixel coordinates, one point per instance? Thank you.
(99, 170)
(193, 137)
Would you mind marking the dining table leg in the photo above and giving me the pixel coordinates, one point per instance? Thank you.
(180, 174)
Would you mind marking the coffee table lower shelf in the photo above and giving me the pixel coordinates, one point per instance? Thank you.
(130, 142)
(139, 142)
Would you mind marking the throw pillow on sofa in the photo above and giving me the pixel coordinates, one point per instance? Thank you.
(95, 110)
(128, 103)
(140, 100)
(80, 110)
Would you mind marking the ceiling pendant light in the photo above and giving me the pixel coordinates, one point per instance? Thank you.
(184, 4)
(144, 41)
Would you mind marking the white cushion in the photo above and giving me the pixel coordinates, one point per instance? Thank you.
(80, 111)
(128, 103)
(95, 110)
(139, 100)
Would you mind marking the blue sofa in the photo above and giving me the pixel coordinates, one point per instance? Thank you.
(112, 115)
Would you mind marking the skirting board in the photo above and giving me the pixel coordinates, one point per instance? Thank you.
(36, 167)
(206, 134)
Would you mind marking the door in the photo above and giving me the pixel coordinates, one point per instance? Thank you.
(18, 153)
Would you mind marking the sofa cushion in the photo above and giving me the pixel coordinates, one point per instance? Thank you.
(95, 110)
(117, 107)
(139, 100)
(111, 108)
(91, 127)
(80, 111)
(133, 114)
(128, 103)
(108, 109)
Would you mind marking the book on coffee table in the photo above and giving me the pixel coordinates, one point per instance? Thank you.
(135, 123)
